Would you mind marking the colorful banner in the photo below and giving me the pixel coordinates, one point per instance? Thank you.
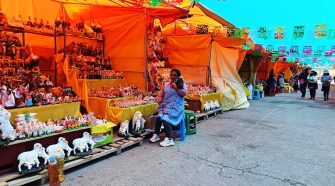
(246, 32)
(282, 49)
(320, 31)
(307, 51)
(294, 51)
(262, 33)
(172, 2)
(279, 32)
(331, 33)
(155, 2)
(320, 51)
(230, 31)
(238, 33)
(298, 32)
(270, 48)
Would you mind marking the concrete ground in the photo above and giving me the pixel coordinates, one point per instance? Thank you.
(280, 140)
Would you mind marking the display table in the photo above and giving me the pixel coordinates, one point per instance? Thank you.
(46, 112)
(101, 108)
(203, 98)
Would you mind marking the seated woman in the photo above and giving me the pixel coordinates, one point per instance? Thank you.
(270, 83)
(171, 108)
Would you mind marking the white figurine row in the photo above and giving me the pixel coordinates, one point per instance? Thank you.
(137, 124)
(30, 158)
(211, 105)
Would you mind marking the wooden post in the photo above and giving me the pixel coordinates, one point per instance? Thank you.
(209, 76)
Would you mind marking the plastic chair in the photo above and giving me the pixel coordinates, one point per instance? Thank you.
(256, 94)
(190, 116)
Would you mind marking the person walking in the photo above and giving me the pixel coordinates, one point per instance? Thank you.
(295, 81)
(303, 82)
(326, 80)
(312, 83)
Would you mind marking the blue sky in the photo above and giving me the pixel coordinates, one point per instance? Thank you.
(271, 13)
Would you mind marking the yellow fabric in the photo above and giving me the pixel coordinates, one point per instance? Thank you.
(103, 128)
(225, 77)
(205, 97)
(192, 50)
(46, 112)
(100, 106)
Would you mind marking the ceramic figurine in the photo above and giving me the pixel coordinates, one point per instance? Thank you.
(212, 105)
(124, 129)
(58, 149)
(6, 127)
(30, 158)
(137, 122)
(217, 104)
(29, 22)
(82, 144)
(207, 106)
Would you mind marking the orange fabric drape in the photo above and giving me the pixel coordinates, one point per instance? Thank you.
(190, 50)
(225, 76)
(283, 67)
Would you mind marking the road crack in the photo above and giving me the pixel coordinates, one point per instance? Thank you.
(243, 171)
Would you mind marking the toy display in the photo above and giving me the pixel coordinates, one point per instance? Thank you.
(124, 129)
(198, 88)
(126, 103)
(30, 160)
(114, 92)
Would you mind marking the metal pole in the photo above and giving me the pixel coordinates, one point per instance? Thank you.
(209, 76)
(146, 57)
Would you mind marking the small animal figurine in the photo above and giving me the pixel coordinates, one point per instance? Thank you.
(136, 122)
(58, 149)
(6, 127)
(207, 106)
(217, 104)
(30, 158)
(82, 144)
(124, 128)
(212, 105)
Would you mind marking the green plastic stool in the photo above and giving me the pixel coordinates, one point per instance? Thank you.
(189, 117)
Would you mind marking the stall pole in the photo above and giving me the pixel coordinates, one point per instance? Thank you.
(209, 76)
(146, 55)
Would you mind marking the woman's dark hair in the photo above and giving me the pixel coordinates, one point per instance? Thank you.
(177, 71)
(272, 74)
(179, 82)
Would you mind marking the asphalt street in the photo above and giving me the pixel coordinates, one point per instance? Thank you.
(281, 140)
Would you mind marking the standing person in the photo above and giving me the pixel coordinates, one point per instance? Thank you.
(295, 81)
(312, 83)
(326, 80)
(270, 83)
(303, 82)
(171, 107)
(281, 82)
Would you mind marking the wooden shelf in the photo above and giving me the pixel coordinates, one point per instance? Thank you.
(45, 136)
(84, 37)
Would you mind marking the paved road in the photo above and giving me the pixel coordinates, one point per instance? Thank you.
(280, 140)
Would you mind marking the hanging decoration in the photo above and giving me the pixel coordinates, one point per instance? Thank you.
(173, 2)
(320, 51)
(238, 33)
(217, 31)
(155, 2)
(246, 46)
(331, 33)
(307, 51)
(320, 31)
(282, 50)
(138, 3)
(294, 51)
(270, 48)
(202, 29)
(246, 32)
(262, 33)
(298, 32)
(230, 31)
(279, 32)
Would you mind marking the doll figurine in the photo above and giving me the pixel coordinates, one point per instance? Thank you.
(29, 22)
